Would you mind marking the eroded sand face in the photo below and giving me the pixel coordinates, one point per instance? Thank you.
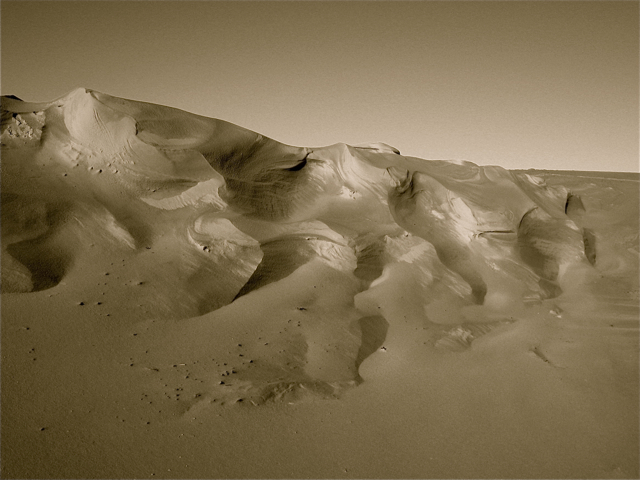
(179, 292)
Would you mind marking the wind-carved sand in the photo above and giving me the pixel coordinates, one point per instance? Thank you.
(230, 212)
(238, 270)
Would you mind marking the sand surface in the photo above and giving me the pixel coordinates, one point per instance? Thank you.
(185, 298)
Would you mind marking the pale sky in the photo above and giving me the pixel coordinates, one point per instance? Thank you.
(549, 85)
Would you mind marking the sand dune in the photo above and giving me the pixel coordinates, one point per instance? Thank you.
(167, 275)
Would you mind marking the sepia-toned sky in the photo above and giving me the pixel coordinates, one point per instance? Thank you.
(520, 84)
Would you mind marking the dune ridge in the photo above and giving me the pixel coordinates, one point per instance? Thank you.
(128, 176)
(230, 270)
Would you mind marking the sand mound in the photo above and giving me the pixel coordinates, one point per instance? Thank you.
(194, 263)
(228, 212)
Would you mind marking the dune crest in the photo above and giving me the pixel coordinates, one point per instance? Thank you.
(208, 217)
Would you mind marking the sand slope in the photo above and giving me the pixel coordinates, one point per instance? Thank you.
(185, 298)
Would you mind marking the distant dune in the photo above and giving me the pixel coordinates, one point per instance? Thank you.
(170, 276)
